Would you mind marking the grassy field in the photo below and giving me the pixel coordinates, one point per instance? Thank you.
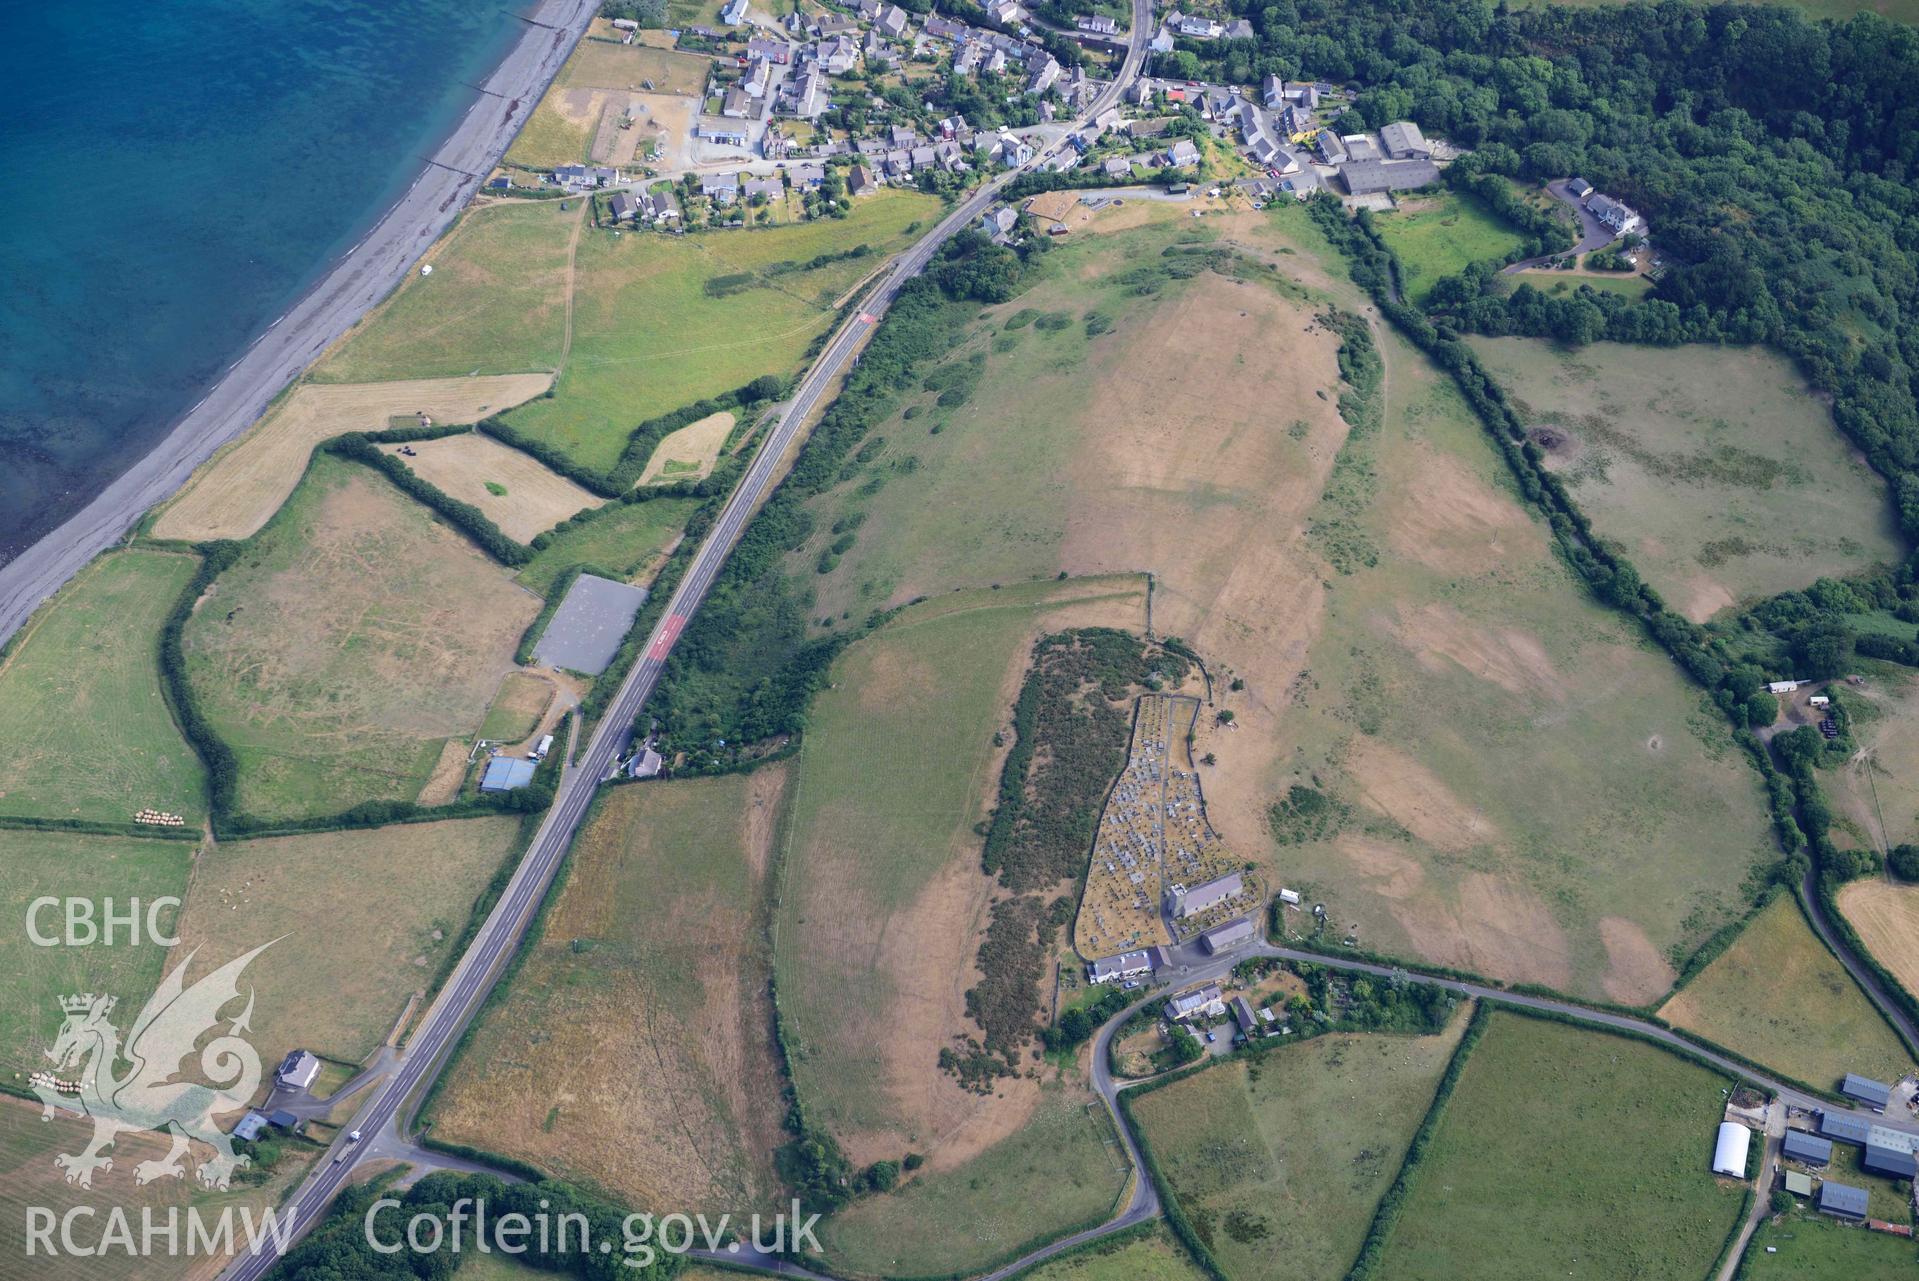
(596, 65)
(513, 489)
(495, 303)
(629, 538)
(88, 731)
(653, 960)
(96, 868)
(1063, 1168)
(1442, 234)
(1156, 1256)
(1525, 787)
(28, 1178)
(559, 131)
(1568, 1153)
(1559, 284)
(1718, 470)
(648, 337)
(1887, 918)
(1877, 790)
(517, 708)
(363, 920)
(1780, 998)
(1813, 1247)
(883, 898)
(1280, 1161)
(355, 636)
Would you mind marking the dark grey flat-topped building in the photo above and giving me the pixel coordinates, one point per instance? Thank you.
(1807, 1148)
(586, 631)
(1844, 1126)
(1842, 1200)
(1872, 1093)
(1893, 1162)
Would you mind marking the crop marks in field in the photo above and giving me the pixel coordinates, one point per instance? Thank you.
(86, 725)
(351, 640)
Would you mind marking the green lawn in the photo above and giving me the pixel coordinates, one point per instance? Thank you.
(1780, 998)
(95, 868)
(624, 537)
(1062, 1170)
(1149, 1256)
(1294, 1147)
(1568, 1153)
(1716, 468)
(1814, 1247)
(495, 303)
(649, 338)
(354, 637)
(87, 728)
(1439, 235)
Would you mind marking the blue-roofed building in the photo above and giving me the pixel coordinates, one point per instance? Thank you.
(1842, 1200)
(1893, 1162)
(284, 1119)
(1874, 1094)
(250, 1126)
(506, 773)
(1844, 1126)
(1808, 1149)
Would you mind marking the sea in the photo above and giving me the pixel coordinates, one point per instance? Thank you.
(175, 175)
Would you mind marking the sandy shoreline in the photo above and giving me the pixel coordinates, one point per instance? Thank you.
(362, 277)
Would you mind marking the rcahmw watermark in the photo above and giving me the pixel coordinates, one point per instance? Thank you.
(88, 1232)
(467, 1225)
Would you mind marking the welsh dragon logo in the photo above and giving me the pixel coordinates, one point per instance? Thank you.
(150, 1095)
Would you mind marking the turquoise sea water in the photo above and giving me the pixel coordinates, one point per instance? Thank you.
(175, 175)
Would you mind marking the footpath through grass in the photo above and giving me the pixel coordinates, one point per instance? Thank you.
(87, 728)
(1568, 1153)
(1780, 998)
(1280, 1160)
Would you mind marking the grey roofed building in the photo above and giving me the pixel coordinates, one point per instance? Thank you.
(1579, 188)
(1272, 91)
(646, 763)
(1360, 147)
(283, 1118)
(621, 207)
(1369, 177)
(1868, 1091)
(808, 176)
(507, 774)
(659, 205)
(722, 188)
(297, 1069)
(777, 51)
(1218, 940)
(1403, 141)
(1807, 1148)
(1191, 902)
(771, 188)
(1124, 966)
(1244, 1016)
(1842, 1200)
(1182, 154)
(1187, 1004)
(249, 1126)
(1304, 183)
(1844, 1126)
(1894, 1163)
(1118, 167)
(1330, 148)
(586, 631)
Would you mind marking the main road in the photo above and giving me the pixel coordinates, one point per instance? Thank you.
(505, 927)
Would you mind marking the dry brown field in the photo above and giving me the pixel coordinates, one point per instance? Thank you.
(235, 494)
(633, 1052)
(690, 452)
(1887, 918)
(536, 498)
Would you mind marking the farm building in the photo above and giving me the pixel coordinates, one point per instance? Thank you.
(1842, 1200)
(1874, 1094)
(506, 774)
(586, 631)
(1181, 903)
(1403, 141)
(1244, 1016)
(1798, 1184)
(250, 1126)
(1807, 1148)
(1729, 1151)
(1893, 1162)
(1579, 188)
(1371, 177)
(297, 1070)
(284, 1119)
(1127, 965)
(1844, 1126)
(1186, 1005)
(1218, 940)
(1783, 687)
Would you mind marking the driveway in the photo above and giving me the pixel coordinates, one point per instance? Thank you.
(1593, 234)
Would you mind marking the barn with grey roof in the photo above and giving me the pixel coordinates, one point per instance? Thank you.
(1808, 1149)
(1842, 1200)
(1875, 1094)
(586, 631)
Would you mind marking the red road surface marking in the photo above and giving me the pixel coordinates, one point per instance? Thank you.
(867, 319)
(668, 634)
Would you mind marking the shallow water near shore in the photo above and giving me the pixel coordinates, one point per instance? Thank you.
(176, 176)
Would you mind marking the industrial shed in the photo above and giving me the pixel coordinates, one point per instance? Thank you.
(1729, 1152)
(1844, 1126)
(1842, 1200)
(1218, 940)
(1893, 1162)
(506, 774)
(1809, 1149)
(1874, 1094)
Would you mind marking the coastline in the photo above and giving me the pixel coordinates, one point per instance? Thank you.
(358, 281)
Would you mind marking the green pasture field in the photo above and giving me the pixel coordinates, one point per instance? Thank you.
(355, 636)
(1154, 1256)
(29, 1181)
(1560, 284)
(1442, 234)
(1064, 1168)
(87, 728)
(1814, 1247)
(598, 65)
(626, 538)
(495, 303)
(649, 338)
(358, 920)
(653, 953)
(1568, 1153)
(1716, 468)
(896, 768)
(1780, 998)
(516, 708)
(1279, 1161)
(65, 865)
